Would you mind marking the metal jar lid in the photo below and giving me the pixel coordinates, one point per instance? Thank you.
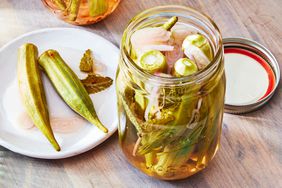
(252, 75)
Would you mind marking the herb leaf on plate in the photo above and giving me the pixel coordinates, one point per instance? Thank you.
(86, 62)
(95, 83)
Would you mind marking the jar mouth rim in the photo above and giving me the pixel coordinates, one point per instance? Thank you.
(161, 79)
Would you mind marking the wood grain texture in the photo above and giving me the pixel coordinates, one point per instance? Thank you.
(251, 144)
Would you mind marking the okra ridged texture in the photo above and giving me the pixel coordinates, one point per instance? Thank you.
(32, 91)
(69, 86)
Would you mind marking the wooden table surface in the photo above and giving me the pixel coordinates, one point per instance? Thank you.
(251, 146)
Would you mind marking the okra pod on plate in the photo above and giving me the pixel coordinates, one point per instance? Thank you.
(69, 87)
(32, 91)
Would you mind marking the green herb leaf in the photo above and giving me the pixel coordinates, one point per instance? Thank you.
(95, 83)
(86, 62)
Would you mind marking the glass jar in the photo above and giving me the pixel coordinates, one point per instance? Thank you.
(170, 127)
(81, 12)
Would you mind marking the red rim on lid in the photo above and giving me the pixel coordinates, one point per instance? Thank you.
(252, 75)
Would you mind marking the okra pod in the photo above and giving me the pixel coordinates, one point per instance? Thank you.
(69, 86)
(184, 67)
(73, 9)
(32, 91)
(198, 48)
(153, 61)
(60, 4)
(97, 7)
(170, 23)
(176, 155)
(172, 130)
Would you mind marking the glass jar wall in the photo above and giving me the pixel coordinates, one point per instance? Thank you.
(170, 127)
(81, 12)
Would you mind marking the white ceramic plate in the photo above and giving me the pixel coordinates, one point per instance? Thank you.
(71, 44)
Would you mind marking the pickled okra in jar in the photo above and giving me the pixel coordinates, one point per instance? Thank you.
(170, 88)
(81, 12)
